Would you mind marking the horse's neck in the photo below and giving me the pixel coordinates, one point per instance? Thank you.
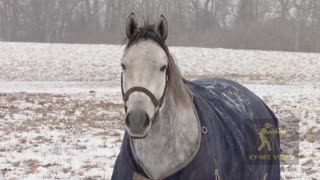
(172, 140)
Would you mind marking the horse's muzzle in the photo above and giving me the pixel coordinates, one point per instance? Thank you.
(137, 121)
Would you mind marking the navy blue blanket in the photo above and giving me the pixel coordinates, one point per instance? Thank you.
(234, 117)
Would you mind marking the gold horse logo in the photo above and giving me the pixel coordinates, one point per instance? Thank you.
(269, 131)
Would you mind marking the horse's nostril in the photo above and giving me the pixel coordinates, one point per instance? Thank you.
(127, 120)
(146, 122)
(137, 121)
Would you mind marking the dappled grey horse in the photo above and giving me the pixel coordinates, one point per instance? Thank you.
(179, 129)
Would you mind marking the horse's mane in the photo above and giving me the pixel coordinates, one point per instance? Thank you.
(175, 80)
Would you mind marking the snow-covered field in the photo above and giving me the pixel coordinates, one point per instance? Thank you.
(61, 111)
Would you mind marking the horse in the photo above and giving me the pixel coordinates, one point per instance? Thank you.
(180, 129)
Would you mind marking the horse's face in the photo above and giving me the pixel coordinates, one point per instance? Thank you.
(144, 64)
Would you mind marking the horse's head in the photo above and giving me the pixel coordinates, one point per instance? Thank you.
(144, 74)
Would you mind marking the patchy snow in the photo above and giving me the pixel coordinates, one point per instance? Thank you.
(101, 88)
(61, 111)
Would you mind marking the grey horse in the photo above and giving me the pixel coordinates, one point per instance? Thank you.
(179, 129)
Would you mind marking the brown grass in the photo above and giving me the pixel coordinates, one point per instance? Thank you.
(49, 165)
(81, 147)
(89, 166)
(16, 163)
(32, 165)
(4, 171)
(23, 141)
(66, 170)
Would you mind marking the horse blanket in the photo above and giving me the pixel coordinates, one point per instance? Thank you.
(232, 146)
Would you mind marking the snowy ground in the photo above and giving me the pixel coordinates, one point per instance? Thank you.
(61, 111)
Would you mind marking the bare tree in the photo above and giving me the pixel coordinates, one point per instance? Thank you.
(291, 25)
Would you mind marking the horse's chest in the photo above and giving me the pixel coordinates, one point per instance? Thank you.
(201, 167)
(160, 158)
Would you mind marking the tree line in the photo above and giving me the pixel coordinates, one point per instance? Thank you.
(288, 25)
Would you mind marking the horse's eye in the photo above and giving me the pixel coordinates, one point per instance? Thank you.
(163, 68)
(123, 66)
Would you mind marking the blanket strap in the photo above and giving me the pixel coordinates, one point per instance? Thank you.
(204, 122)
(217, 175)
(265, 177)
(216, 170)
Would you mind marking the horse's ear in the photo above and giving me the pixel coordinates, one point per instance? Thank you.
(131, 25)
(162, 28)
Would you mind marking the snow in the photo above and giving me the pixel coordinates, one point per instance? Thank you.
(61, 110)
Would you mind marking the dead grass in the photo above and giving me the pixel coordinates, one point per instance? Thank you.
(80, 147)
(23, 141)
(60, 113)
(4, 171)
(63, 139)
(66, 170)
(32, 166)
(16, 163)
(81, 173)
(49, 165)
(89, 166)
(42, 139)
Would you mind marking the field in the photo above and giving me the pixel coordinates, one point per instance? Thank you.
(61, 114)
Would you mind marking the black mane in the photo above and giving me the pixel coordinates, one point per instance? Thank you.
(146, 32)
